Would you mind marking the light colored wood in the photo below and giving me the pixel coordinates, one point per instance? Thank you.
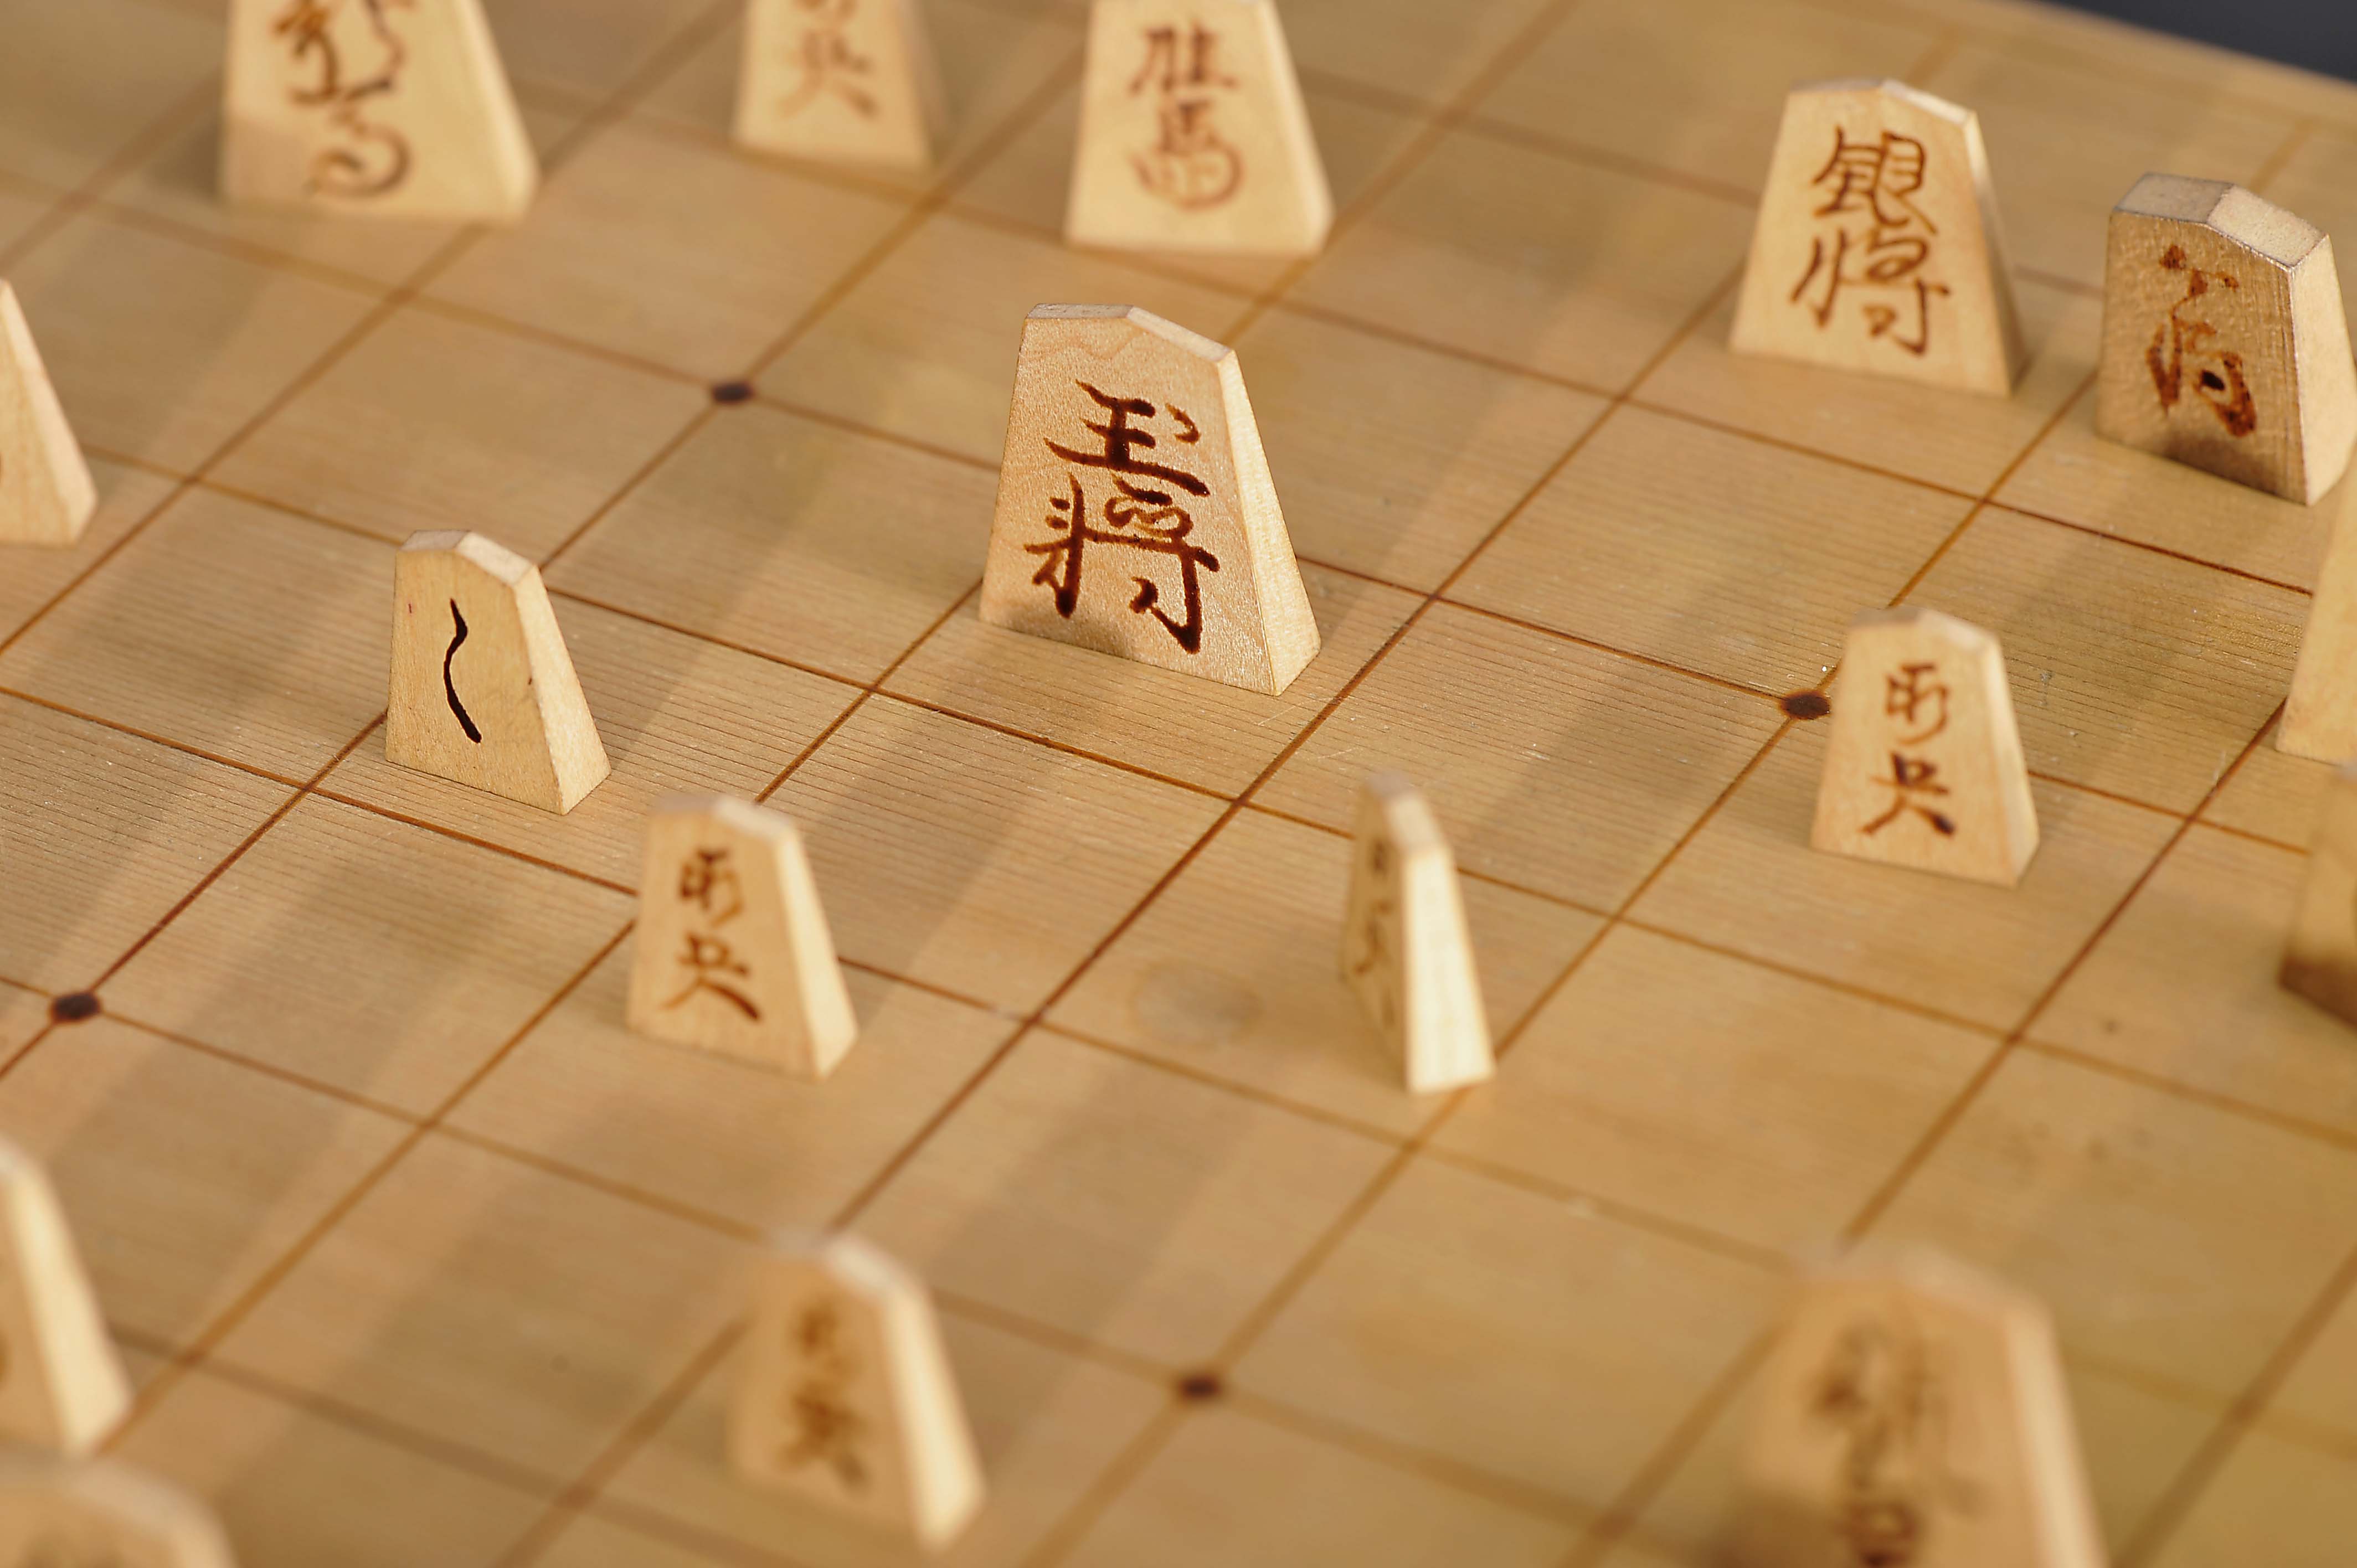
(47, 495)
(733, 948)
(2226, 345)
(1193, 134)
(61, 1388)
(1915, 1412)
(390, 108)
(1877, 246)
(2320, 960)
(102, 1515)
(1925, 767)
(841, 80)
(2319, 716)
(1122, 416)
(846, 1396)
(1405, 950)
(483, 691)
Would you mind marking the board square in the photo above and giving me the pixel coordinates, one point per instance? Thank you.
(2300, 1499)
(80, 84)
(591, 47)
(185, 1176)
(2272, 795)
(1234, 972)
(369, 955)
(126, 498)
(1533, 749)
(1404, 46)
(1046, 1423)
(792, 539)
(1117, 1201)
(1710, 551)
(125, 828)
(1749, 1104)
(967, 859)
(189, 633)
(1750, 881)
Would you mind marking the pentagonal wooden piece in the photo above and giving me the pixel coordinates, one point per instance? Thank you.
(1135, 512)
(394, 108)
(482, 690)
(61, 1387)
(846, 1397)
(102, 1515)
(2225, 343)
(1915, 1412)
(1193, 134)
(1405, 950)
(733, 948)
(46, 494)
(848, 81)
(2320, 960)
(2320, 718)
(1877, 246)
(1925, 767)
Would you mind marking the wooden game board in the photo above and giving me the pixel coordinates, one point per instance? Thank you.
(420, 1259)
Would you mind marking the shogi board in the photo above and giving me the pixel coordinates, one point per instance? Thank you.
(419, 1257)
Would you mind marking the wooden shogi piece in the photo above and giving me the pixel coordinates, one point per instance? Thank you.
(2224, 342)
(1135, 512)
(733, 951)
(103, 1514)
(61, 1386)
(482, 690)
(851, 81)
(1194, 135)
(1925, 767)
(1877, 246)
(355, 107)
(846, 1397)
(1915, 1412)
(2320, 718)
(2320, 960)
(1405, 950)
(46, 493)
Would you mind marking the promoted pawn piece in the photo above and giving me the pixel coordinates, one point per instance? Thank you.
(1877, 246)
(846, 1397)
(1193, 134)
(1404, 947)
(2320, 960)
(1135, 512)
(841, 80)
(483, 691)
(2224, 342)
(103, 1514)
(46, 494)
(2320, 718)
(362, 107)
(1925, 768)
(1915, 1412)
(733, 950)
(61, 1387)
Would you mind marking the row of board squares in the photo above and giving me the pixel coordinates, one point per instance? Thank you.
(1238, 1437)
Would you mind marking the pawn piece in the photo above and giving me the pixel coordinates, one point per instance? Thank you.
(733, 953)
(46, 494)
(1404, 947)
(846, 1395)
(2320, 718)
(1915, 1412)
(61, 1388)
(2225, 343)
(102, 1512)
(1193, 134)
(1135, 512)
(483, 691)
(1925, 767)
(394, 110)
(1877, 246)
(847, 81)
(2320, 960)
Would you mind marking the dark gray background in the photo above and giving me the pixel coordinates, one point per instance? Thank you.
(2321, 35)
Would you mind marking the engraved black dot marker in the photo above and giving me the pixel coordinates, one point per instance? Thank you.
(1805, 705)
(732, 392)
(450, 690)
(74, 1007)
(1198, 1387)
